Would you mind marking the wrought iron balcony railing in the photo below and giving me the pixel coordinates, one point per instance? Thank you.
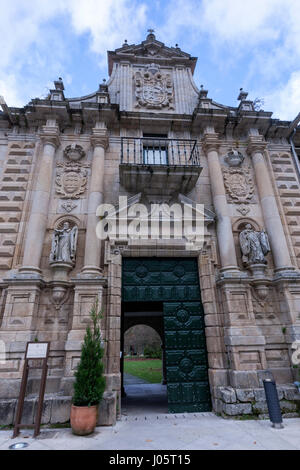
(159, 151)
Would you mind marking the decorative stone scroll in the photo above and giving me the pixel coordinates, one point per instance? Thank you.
(71, 179)
(153, 89)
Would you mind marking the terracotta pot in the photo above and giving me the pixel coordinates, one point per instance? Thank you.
(83, 419)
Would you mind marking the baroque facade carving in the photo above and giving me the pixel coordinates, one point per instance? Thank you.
(71, 179)
(239, 186)
(153, 89)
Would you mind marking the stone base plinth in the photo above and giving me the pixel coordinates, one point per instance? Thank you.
(235, 402)
(56, 410)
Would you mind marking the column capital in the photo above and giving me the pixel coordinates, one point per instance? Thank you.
(210, 142)
(256, 143)
(99, 138)
(50, 135)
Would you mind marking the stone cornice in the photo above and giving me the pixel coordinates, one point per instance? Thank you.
(50, 135)
(256, 144)
(210, 142)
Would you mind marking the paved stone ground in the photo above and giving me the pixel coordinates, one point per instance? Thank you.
(145, 427)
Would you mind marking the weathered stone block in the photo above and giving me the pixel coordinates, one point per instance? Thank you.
(260, 407)
(226, 394)
(107, 409)
(244, 395)
(237, 409)
(60, 411)
(7, 410)
(291, 393)
(28, 411)
(259, 394)
(288, 406)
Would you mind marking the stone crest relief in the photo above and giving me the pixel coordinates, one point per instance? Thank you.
(71, 179)
(239, 186)
(153, 89)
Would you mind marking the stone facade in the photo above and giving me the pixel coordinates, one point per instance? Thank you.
(60, 158)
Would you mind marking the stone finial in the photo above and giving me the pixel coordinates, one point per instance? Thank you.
(59, 84)
(243, 95)
(202, 93)
(151, 35)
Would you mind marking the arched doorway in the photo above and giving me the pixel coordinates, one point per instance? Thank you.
(143, 358)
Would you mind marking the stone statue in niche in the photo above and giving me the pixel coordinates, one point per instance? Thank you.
(64, 243)
(254, 246)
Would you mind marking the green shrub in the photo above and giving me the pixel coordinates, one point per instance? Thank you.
(152, 352)
(89, 382)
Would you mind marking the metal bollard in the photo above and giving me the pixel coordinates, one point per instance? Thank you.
(273, 403)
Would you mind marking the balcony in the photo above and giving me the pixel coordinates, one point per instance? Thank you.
(159, 166)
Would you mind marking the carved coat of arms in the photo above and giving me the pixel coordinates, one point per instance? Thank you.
(239, 186)
(153, 89)
(71, 179)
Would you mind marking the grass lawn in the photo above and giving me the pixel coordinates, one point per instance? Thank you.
(147, 369)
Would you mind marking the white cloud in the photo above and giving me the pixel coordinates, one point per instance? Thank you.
(285, 101)
(260, 35)
(36, 47)
(109, 22)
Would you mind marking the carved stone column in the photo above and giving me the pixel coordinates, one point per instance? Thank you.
(37, 223)
(224, 229)
(92, 255)
(256, 148)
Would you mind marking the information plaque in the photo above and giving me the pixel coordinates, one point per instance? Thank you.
(34, 351)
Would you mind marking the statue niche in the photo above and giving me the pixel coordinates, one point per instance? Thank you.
(254, 246)
(64, 244)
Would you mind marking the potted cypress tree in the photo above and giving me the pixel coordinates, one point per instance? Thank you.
(89, 382)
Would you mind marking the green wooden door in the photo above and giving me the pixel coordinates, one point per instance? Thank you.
(186, 362)
(174, 281)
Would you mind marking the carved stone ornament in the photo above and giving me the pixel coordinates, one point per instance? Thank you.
(234, 158)
(71, 179)
(153, 89)
(239, 185)
(74, 152)
(68, 205)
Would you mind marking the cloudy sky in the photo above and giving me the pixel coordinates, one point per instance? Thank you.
(254, 44)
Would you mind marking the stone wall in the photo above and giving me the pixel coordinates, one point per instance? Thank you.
(230, 402)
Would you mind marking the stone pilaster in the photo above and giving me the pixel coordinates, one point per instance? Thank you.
(37, 223)
(92, 254)
(278, 243)
(224, 229)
